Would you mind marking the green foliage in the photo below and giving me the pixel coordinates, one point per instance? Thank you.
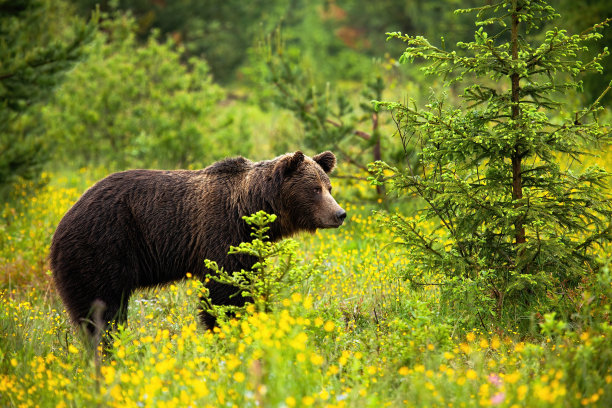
(337, 37)
(39, 44)
(578, 16)
(518, 227)
(276, 269)
(329, 119)
(362, 22)
(139, 106)
(590, 362)
(220, 32)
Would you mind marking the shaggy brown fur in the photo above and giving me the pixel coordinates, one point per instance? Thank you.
(142, 228)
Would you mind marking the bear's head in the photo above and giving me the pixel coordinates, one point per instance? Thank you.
(305, 191)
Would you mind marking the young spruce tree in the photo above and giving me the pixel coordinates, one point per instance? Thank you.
(520, 220)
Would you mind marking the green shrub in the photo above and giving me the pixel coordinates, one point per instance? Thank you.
(139, 106)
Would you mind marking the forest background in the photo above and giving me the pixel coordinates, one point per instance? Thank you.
(195, 79)
(91, 87)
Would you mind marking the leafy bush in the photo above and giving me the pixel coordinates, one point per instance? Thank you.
(517, 228)
(139, 106)
(219, 31)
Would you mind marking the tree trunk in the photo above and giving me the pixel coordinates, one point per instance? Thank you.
(517, 155)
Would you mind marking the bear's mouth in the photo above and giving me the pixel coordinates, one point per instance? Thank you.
(332, 224)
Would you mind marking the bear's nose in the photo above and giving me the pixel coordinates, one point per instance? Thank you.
(341, 215)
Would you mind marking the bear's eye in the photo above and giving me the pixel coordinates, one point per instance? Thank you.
(317, 190)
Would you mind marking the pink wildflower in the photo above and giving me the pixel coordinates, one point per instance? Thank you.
(498, 398)
(495, 380)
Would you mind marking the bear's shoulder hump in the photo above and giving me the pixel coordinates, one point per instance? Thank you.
(229, 166)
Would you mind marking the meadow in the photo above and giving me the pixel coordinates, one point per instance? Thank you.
(382, 322)
(354, 335)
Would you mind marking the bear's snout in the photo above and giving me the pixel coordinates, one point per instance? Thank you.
(332, 215)
(341, 215)
(334, 219)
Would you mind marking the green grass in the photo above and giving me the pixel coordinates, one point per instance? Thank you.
(355, 335)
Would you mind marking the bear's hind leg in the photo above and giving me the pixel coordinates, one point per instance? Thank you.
(117, 313)
(104, 317)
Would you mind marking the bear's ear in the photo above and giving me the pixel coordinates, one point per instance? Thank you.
(294, 161)
(326, 160)
(288, 164)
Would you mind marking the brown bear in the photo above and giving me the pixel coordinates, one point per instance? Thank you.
(142, 228)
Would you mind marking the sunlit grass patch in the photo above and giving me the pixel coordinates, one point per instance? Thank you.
(28, 225)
